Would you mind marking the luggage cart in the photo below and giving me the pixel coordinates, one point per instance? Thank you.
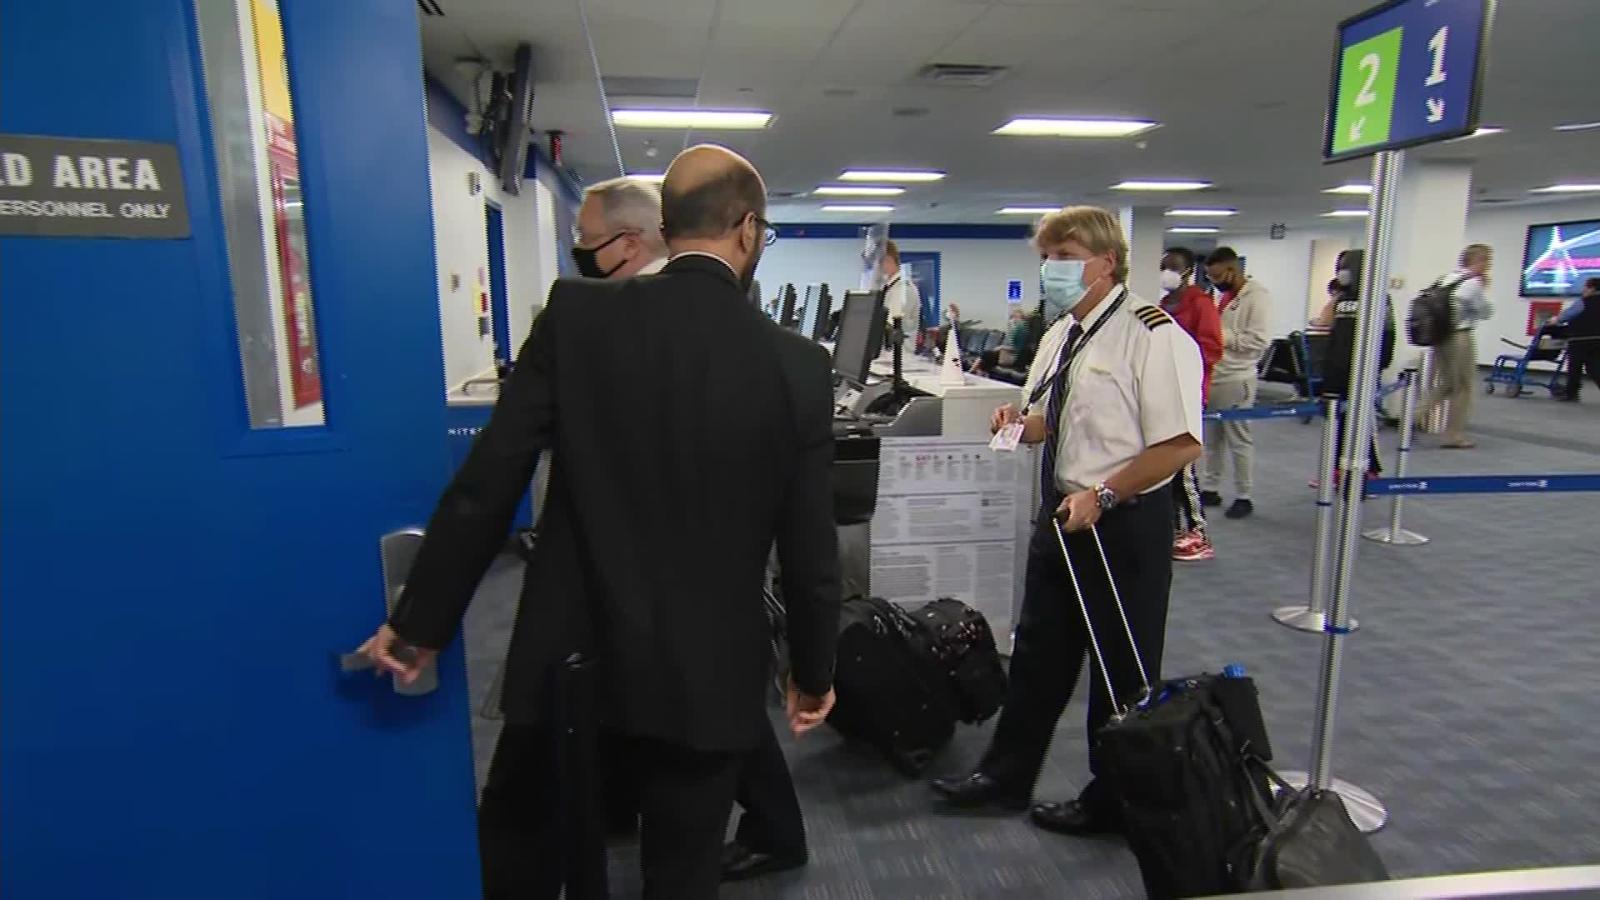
(1548, 345)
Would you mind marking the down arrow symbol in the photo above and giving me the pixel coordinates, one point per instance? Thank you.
(1435, 109)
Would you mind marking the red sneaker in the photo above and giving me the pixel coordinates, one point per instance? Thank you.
(1195, 550)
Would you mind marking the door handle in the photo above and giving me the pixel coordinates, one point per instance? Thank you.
(397, 550)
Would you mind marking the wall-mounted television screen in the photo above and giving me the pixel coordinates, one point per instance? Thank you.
(1559, 257)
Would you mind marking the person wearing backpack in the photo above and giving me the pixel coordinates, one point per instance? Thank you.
(1455, 355)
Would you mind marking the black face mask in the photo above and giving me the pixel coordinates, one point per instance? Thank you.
(587, 259)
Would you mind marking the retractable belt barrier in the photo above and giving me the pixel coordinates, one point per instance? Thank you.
(1278, 411)
(1404, 485)
(1484, 484)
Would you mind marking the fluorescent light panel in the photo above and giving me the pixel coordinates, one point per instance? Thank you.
(1567, 189)
(1485, 131)
(1203, 212)
(652, 177)
(1193, 229)
(1075, 128)
(857, 208)
(1345, 214)
(1360, 189)
(1576, 126)
(845, 190)
(691, 118)
(1160, 185)
(909, 176)
(1026, 210)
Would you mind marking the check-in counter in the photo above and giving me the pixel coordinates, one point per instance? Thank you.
(964, 409)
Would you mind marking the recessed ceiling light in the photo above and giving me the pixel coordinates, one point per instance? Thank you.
(652, 177)
(1345, 214)
(1567, 189)
(1202, 212)
(1193, 229)
(858, 208)
(1577, 126)
(1362, 189)
(1160, 185)
(910, 176)
(690, 118)
(842, 190)
(1077, 128)
(1026, 210)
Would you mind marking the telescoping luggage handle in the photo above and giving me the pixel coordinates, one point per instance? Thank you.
(1117, 705)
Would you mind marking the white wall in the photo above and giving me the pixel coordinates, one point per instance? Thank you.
(972, 273)
(1506, 230)
(461, 253)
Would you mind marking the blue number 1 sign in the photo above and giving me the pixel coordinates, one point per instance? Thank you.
(1405, 73)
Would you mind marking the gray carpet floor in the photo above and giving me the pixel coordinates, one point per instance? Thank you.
(1465, 703)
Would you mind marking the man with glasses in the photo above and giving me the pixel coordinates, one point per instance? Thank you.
(619, 230)
(654, 541)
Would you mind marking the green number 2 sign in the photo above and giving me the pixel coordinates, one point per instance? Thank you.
(1366, 92)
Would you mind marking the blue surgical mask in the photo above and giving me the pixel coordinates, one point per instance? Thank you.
(1062, 283)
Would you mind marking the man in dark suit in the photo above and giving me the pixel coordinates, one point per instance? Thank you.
(677, 467)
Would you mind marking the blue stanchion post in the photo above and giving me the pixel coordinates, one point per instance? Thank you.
(1395, 534)
(1313, 617)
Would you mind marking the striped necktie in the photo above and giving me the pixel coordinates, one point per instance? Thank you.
(1052, 419)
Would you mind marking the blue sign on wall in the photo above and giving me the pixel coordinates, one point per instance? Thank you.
(1406, 73)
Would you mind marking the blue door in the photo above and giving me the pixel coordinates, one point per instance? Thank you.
(178, 574)
(923, 268)
(495, 232)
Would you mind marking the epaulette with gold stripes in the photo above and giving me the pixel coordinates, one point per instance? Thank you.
(1153, 317)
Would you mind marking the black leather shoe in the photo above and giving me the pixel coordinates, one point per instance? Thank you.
(978, 790)
(740, 862)
(1240, 509)
(1210, 498)
(1072, 817)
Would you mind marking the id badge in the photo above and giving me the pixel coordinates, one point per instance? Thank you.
(1007, 438)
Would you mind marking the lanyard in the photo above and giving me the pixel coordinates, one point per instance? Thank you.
(1068, 353)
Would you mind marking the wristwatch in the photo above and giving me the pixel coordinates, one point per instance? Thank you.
(1106, 496)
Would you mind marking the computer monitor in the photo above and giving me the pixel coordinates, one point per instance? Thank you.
(814, 322)
(824, 330)
(860, 334)
(786, 318)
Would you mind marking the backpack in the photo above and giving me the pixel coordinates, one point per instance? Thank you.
(1432, 317)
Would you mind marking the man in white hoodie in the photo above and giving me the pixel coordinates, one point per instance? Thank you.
(1243, 305)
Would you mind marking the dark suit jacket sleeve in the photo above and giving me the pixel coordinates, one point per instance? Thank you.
(470, 524)
(808, 544)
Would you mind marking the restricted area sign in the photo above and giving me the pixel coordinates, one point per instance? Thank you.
(1406, 73)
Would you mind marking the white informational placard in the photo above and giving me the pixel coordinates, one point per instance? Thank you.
(946, 525)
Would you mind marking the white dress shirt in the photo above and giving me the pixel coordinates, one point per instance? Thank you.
(1135, 384)
(654, 266)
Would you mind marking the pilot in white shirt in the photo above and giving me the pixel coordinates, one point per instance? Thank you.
(1113, 400)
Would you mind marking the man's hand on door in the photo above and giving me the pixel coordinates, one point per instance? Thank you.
(389, 653)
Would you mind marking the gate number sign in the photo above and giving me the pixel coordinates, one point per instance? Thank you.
(79, 187)
(1406, 73)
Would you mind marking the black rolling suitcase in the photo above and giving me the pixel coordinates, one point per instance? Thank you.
(1182, 758)
(888, 694)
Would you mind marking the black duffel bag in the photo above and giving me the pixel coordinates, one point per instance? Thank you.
(889, 694)
(1311, 841)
